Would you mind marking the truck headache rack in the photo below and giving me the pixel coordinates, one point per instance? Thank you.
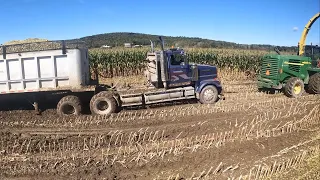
(41, 46)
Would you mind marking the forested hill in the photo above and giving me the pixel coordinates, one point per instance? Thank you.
(118, 39)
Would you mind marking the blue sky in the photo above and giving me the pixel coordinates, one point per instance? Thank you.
(240, 21)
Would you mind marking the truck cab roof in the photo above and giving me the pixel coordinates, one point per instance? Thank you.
(175, 51)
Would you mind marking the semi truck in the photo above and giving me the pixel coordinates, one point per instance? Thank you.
(293, 74)
(60, 71)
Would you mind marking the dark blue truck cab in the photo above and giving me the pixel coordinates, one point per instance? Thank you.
(170, 77)
(170, 69)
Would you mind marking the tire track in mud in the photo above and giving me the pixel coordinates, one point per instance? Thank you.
(154, 118)
(259, 169)
(129, 146)
(172, 163)
(172, 153)
(181, 129)
(190, 126)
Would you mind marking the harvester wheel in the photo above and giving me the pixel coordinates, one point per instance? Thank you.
(294, 87)
(314, 84)
(103, 103)
(208, 95)
(69, 105)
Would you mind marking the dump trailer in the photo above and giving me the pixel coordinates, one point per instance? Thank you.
(45, 71)
(60, 71)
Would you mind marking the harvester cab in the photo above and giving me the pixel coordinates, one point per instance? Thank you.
(313, 51)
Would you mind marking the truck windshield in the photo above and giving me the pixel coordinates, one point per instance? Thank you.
(176, 59)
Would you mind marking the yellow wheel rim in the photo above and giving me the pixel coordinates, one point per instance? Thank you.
(297, 89)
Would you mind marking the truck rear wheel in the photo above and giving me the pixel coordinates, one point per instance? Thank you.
(294, 87)
(103, 103)
(69, 105)
(314, 84)
(208, 95)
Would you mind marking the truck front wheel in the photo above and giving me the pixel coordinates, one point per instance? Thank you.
(208, 95)
(294, 87)
(69, 105)
(103, 103)
(314, 84)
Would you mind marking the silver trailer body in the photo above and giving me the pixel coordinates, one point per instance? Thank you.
(44, 71)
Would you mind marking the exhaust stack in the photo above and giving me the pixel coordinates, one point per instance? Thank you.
(152, 46)
(163, 65)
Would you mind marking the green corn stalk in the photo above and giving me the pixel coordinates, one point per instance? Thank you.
(128, 62)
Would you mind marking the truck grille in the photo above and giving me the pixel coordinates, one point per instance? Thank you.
(270, 65)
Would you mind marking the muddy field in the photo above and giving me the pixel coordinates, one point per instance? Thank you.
(247, 136)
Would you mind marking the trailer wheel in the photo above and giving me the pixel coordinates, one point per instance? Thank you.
(69, 105)
(294, 87)
(208, 95)
(314, 84)
(103, 103)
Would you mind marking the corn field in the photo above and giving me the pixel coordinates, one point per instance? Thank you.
(127, 62)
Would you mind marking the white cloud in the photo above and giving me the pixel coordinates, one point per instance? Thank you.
(295, 28)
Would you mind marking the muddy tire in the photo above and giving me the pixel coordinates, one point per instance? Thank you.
(208, 95)
(294, 87)
(103, 103)
(314, 84)
(69, 105)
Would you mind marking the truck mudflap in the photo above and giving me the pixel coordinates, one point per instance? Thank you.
(221, 95)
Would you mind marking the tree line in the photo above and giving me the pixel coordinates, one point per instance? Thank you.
(120, 38)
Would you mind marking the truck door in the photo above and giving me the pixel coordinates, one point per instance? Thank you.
(178, 71)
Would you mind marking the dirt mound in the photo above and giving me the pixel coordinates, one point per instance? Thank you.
(29, 40)
(30, 44)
